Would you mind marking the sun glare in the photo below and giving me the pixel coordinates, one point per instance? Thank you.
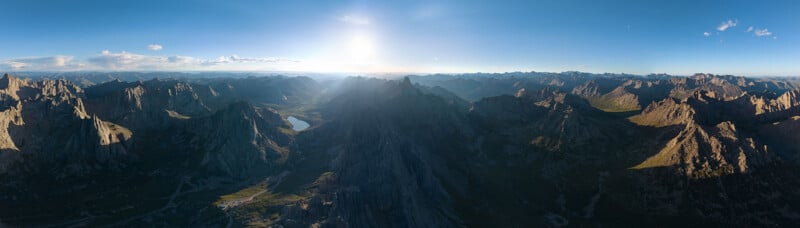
(361, 49)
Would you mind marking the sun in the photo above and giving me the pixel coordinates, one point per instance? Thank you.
(361, 49)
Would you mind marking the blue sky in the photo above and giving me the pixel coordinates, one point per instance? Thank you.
(677, 37)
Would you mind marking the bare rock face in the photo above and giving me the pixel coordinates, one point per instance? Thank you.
(241, 140)
(142, 105)
(618, 100)
(701, 151)
(602, 96)
(529, 152)
(710, 143)
(45, 122)
(664, 113)
(622, 95)
(11, 115)
(725, 86)
(788, 101)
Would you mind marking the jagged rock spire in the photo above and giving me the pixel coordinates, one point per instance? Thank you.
(6, 81)
(406, 83)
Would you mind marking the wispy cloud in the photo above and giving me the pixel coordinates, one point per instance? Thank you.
(354, 19)
(155, 47)
(127, 61)
(236, 58)
(57, 62)
(727, 24)
(177, 59)
(762, 32)
(108, 60)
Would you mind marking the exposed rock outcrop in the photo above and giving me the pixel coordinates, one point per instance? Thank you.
(142, 105)
(45, 122)
(700, 151)
(241, 140)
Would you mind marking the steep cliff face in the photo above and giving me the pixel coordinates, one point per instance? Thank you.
(45, 123)
(789, 101)
(50, 140)
(149, 104)
(704, 151)
(626, 95)
(710, 143)
(664, 113)
(241, 140)
(726, 87)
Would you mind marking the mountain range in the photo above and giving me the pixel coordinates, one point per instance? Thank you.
(524, 149)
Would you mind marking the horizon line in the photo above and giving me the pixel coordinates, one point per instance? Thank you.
(389, 73)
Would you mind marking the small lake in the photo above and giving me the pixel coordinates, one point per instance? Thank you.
(297, 124)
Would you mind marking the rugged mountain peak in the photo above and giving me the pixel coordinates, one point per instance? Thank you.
(241, 140)
(47, 122)
(10, 85)
(587, 89)
(702, 95)
(79, 110)
(142, 105)
(9, 116)
(398, 141)
(406, 87)
(108, 133)
(9, 79)
(60, 89)
(406, 82)
(788, 100)
(769, 103)
(708, 151)
(702, 76)
(665, 113)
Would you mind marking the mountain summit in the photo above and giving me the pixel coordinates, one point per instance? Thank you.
(524, 149)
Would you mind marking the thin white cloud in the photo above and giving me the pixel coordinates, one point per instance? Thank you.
(236, 58)
(181, 59)
(58, 62)
(127, 61)
(354, 19)
(108, 60)
(706, 34)
(749, 29)
(762, 32)
(155, 47)
(727, 24)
